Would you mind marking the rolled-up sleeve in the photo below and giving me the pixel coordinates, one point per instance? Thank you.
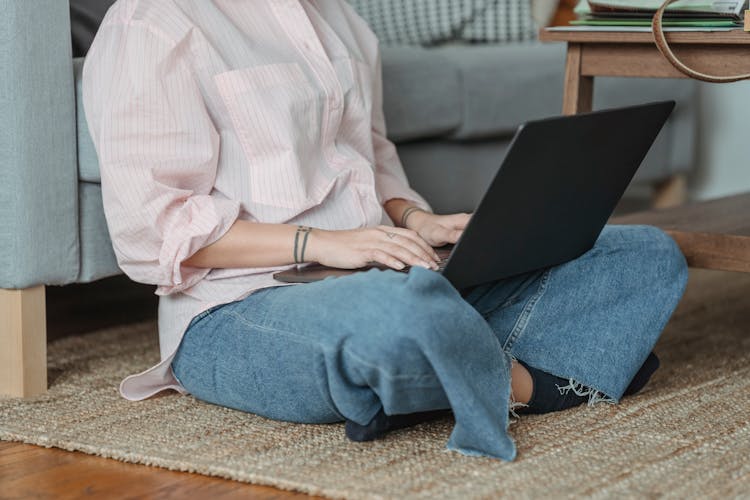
(390, 179)
(158, 152)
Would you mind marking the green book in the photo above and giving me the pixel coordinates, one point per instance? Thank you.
(670, 23)
(721, 8)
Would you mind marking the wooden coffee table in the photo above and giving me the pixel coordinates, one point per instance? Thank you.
(713, 234)
(610, 53)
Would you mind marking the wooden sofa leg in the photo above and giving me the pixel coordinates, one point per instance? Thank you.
(670, 192)
(23, 337)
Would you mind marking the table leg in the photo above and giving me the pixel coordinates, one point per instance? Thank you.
(579, 90)
(670, 192)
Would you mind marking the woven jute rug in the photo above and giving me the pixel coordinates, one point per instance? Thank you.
(686, 435)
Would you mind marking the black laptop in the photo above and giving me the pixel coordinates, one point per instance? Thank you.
(549, 201)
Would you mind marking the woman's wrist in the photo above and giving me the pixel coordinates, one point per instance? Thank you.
(407, 212)
(301, 237)
(316, 243)
(415, 219)
(403, 212)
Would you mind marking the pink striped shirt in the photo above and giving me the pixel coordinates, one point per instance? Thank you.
(205, 112)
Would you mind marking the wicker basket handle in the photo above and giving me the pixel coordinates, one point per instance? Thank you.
(661, 43)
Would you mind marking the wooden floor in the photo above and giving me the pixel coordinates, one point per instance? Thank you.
(34, 472)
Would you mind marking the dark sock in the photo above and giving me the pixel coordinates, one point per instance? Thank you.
(644, 374)
(546, 396)
(382, 424)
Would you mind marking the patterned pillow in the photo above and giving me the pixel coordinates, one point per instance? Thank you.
(431, 22)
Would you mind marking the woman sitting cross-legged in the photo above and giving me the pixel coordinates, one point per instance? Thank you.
(223, 128)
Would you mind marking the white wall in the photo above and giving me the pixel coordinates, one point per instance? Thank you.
(723, 148)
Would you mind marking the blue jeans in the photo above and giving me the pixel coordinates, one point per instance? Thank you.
(344, 348)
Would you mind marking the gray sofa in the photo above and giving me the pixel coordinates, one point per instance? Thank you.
(451, 110)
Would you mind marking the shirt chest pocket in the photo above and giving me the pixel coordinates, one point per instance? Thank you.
(363, 89)
(275, 111)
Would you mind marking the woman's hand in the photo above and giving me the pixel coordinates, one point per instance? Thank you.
(438, 230)
(352, 249)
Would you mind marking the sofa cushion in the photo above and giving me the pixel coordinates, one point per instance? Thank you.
(470, 91)
(97, 255)
(505, 85)
(422, 93)
(88, 163)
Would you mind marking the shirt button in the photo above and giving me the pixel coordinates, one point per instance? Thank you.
(334, 102)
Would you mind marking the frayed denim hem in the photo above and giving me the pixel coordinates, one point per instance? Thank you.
(579, 389)
(476, 453)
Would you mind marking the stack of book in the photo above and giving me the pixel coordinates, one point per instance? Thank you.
(636, 15)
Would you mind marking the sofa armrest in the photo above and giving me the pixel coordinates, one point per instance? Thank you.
(38, 164)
